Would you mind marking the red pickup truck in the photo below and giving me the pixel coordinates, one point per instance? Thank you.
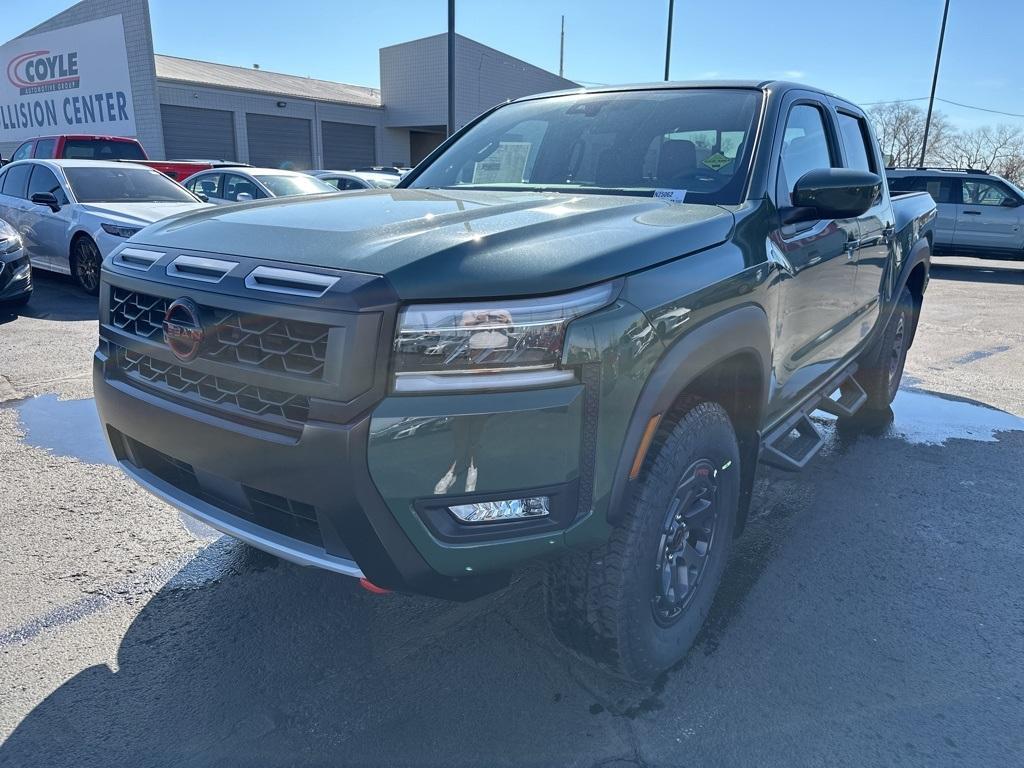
(82, 147)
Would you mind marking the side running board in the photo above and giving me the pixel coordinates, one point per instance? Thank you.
(792, 444)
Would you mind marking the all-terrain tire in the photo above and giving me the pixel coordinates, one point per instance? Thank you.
(880, 375)
(608, 604)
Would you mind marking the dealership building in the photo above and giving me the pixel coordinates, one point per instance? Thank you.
(91, 70)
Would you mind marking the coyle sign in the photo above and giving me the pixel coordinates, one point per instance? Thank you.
(71, 80)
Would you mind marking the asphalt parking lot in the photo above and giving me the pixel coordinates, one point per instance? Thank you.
(872, 614)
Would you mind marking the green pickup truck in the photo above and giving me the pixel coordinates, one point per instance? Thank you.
(570, 335)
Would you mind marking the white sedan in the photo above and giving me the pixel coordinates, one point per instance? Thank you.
(240, 185)
(72, 213)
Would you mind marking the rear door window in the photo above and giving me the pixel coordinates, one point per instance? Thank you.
(208, 184)
(16, 180)
(859, 154)
(941, 190)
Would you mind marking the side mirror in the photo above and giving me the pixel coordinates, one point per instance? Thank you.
(48, 199)
(1010, 202)
(202, 197)
(243, 197)
(833, 193)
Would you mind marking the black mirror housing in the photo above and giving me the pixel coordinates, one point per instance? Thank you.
(48, 199)
(837, 193)
(1010, 202)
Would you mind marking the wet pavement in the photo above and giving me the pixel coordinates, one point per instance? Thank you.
(871, 614)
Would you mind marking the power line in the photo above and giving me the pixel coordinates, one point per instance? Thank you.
(944, 101)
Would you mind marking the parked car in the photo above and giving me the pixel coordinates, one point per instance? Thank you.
(241, 185)
(979, 213)
(643, 290)
(346, 180)
(72, 213)
(81, 147)
(15, 270)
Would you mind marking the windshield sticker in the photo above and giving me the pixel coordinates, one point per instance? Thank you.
(716, 161)
(507, 163)
(672, 195)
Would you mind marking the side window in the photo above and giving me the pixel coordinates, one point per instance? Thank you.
(941, 190)
(208, 185)
(985, 193)
(22, 152)
(805, 148)
(859, 154)
(45, 148)
(16, 180)
(234, 185)
(42, 181)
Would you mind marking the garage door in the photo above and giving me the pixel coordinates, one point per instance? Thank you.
(200, 134)
(279, 142)
(348, 146)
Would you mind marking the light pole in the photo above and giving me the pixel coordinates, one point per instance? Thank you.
(935, 80)
(668, 39)
(451, 67)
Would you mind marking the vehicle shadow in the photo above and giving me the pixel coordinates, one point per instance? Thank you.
(57, 297)
(980, 273)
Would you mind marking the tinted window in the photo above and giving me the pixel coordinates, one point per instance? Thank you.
(42, 181)
(16, 180)
(25, 150)
(859, 154)
(124, 185)
(805, 148)
(941, 190)
(208, 185)
(286, 186)
(985, 192)
(45, 147)
(631, 142)
(102, 149)
(234, 185)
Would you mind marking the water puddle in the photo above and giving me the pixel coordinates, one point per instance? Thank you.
(930, 418)
(64, 428)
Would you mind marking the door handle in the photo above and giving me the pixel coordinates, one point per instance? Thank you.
(972, 213)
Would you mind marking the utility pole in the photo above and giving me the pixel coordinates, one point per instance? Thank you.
(935, 80)
(561, 52)
(451, 67)
(668, 39)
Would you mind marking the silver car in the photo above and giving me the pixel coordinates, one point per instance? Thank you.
(978, 213)
(346, 180)
(72, 213)
(239, 185)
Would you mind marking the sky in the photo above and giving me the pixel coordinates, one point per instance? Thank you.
(863, 50)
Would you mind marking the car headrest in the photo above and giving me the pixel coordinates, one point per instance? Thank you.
(678, 157)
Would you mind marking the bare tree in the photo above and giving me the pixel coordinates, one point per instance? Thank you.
(996, 149)
(900, 130)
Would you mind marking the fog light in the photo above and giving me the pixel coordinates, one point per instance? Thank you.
(505, 509)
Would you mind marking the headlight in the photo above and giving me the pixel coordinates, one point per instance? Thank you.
(119, 230)
(10, 240)
(492, 344)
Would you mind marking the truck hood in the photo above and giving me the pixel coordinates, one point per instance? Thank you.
(136, 213)
(442, 244)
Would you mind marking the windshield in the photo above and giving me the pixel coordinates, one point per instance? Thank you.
(124, 185)
(636, 142)
(281, 185)
(102, 149)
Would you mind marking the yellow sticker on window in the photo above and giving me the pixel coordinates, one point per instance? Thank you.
(716, 161)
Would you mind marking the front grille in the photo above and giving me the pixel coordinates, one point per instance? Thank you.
(232, 398)
(282, 515)
(292, 347)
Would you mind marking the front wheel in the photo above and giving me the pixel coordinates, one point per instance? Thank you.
(635, 605)
(881, 375)
(85, 264)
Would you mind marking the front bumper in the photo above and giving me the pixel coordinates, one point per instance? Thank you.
(15, 276)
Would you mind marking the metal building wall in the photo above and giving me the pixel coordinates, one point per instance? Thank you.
(194, 132)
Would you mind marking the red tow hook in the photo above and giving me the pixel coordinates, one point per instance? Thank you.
(369, 586)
